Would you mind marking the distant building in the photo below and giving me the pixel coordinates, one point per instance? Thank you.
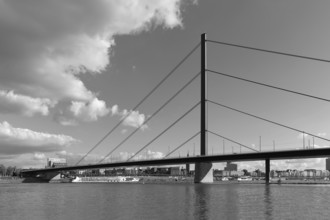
(175, 171)
(227, 173)
(56, 162)
(327, 164)
(231, 166)
(187, 166)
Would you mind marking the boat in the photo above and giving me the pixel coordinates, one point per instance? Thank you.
(224, 179)
(244, 178)
(103, 179)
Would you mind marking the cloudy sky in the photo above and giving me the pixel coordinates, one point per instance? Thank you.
(71, 70)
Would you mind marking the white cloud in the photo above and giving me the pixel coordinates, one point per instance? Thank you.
(147, 155)
(115, 110)
(319, 146)
(24, 105)
(19, 140)
(298, 164)
(39, 156)
(45, 46)
(133, 118)
(82, 112)
(155, 155)
(89, 111)
(63, 120)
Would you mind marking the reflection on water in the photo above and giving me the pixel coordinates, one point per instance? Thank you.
(268, 202)
(202, 200)
(163, 201)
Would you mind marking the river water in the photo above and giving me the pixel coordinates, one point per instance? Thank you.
(163, 201)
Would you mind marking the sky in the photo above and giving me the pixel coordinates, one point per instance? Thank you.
(71, 70)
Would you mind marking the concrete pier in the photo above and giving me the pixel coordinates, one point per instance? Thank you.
(267, 170)
(203, 173)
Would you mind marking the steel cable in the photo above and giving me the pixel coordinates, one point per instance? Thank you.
(147, 96)
(266, 85)
(232, 141)
(179, 119)
(153, 115)
(269, 51)
(285, 126)
(182, 144)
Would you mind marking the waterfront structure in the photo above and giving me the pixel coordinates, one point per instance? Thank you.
(327, 164)
(230, 166)
(187, 166)
(56, 162)
(227, 173)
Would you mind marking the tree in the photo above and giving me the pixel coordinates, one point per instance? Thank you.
(258, 172)
(246, 173)
(2, 170)
(10, 170)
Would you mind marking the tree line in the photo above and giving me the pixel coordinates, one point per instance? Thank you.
(9, 171)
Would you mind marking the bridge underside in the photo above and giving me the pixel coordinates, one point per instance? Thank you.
(41, 176)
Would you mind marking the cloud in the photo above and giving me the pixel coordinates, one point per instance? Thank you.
(319, 146)
(148, 155)
(39, 156)
(133, 118)
(24, 105)
(38, 159)
(46, 45)
(89, 111)
(64, 120)
(19, 140)
(73, 158)
(155, 155)
(298, 164)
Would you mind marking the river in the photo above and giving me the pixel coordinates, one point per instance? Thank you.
(163, 201)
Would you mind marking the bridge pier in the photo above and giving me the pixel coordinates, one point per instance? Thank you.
(203, 172)
(267, 170)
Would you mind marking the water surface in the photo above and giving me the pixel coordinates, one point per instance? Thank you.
(163, 201)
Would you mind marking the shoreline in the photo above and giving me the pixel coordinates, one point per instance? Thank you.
(173, 180)
(11, 180)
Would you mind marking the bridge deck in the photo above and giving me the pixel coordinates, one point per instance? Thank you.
(274, 155)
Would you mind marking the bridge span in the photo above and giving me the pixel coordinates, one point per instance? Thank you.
(267, 156)
(203, 163)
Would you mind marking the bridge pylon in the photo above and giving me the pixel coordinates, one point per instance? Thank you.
(203, 171)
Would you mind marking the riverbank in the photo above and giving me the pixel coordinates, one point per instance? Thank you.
(171, 179)
(276, 181)
(11, 180)
(166, 179)
(135, 179)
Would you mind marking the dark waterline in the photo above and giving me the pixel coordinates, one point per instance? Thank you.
(163, 201)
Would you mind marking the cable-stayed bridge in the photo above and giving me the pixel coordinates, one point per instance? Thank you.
(204, 160)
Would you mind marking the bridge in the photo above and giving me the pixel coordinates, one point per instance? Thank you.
(203, 162)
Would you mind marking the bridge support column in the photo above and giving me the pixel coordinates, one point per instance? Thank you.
(203, 173)
(267, 171)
